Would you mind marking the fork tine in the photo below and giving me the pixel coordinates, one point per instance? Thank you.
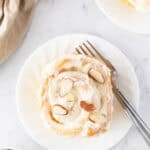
(82, 49)
(98, 53)
(88, 49)
(95, 50)
(78, 51)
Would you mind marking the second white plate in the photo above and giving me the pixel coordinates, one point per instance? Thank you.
(28, 87)
(124, 16)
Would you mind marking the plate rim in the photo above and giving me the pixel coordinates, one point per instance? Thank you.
(102, 9)
(28, 131)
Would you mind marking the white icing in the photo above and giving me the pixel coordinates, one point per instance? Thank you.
(71, 87)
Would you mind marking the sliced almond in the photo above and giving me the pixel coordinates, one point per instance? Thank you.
(70, 97)
(53, 118)
(96, 75)
(65, 86)
(97, 117)
(92, 120)
(86, 106)
(59, 110)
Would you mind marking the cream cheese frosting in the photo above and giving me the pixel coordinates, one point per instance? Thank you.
(76, 95)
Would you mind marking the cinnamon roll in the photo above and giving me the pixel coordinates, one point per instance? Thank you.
(76, 96)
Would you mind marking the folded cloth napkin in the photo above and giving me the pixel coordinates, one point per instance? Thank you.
(15, 18)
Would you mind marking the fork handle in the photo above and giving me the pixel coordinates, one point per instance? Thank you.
(137, 120)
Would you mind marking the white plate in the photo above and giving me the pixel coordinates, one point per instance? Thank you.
(124, 16)
(28, 86)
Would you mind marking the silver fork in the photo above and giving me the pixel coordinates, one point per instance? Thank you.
(88, 49)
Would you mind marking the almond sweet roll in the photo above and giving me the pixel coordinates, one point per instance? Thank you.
(76, 96)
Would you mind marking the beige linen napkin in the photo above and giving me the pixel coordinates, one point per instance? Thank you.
(15, 18)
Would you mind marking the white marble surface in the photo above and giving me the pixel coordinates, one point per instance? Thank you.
(57, 17)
